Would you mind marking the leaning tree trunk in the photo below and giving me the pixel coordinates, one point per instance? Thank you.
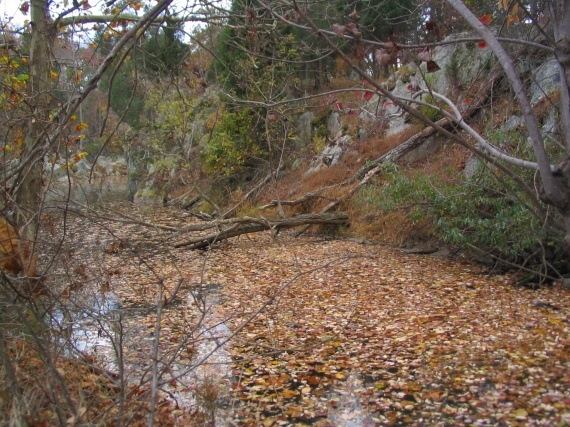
(29, 182)
(555, 180)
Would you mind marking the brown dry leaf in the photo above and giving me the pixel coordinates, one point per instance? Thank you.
(288, 394)
(339, 29)
(424, 55)
(407, 337)
(432, 67)
(382, 57)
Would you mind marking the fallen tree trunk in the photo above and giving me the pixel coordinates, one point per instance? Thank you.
(248, 225)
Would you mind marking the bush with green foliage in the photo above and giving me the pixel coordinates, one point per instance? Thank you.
(232, 145)
(476, 213)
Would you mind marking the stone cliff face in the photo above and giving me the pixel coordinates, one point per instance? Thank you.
(463, 68)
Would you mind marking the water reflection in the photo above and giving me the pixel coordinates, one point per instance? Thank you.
(98, 325)
(94, 322)
(85, 321)
(347, 409)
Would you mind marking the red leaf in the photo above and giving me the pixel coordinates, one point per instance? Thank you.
(358, 51)
(25, 7)
(482, 44)
(431, 25)
(367, 95)
(250, 16)
(355, 32)
(338, 105)
(486, 19)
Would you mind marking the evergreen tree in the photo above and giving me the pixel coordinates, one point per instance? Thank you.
(164, 51)
(382, 20)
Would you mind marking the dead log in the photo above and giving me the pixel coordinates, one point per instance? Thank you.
(188, 205)
(248, 225)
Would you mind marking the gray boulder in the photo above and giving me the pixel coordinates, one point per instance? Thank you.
(545, 80)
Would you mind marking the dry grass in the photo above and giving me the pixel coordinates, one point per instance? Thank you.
(377, 146)
(393, 228)
(298, 183)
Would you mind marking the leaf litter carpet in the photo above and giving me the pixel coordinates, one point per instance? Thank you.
(336, 333)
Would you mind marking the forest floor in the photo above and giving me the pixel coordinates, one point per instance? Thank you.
(332, 332)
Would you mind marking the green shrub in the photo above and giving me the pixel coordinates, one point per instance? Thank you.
(474, 213)
(430, 112)
(232, 144)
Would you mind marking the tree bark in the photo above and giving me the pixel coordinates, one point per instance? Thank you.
(29, 180)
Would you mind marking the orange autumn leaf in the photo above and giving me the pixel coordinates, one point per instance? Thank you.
(486, 19)
(513, 16)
